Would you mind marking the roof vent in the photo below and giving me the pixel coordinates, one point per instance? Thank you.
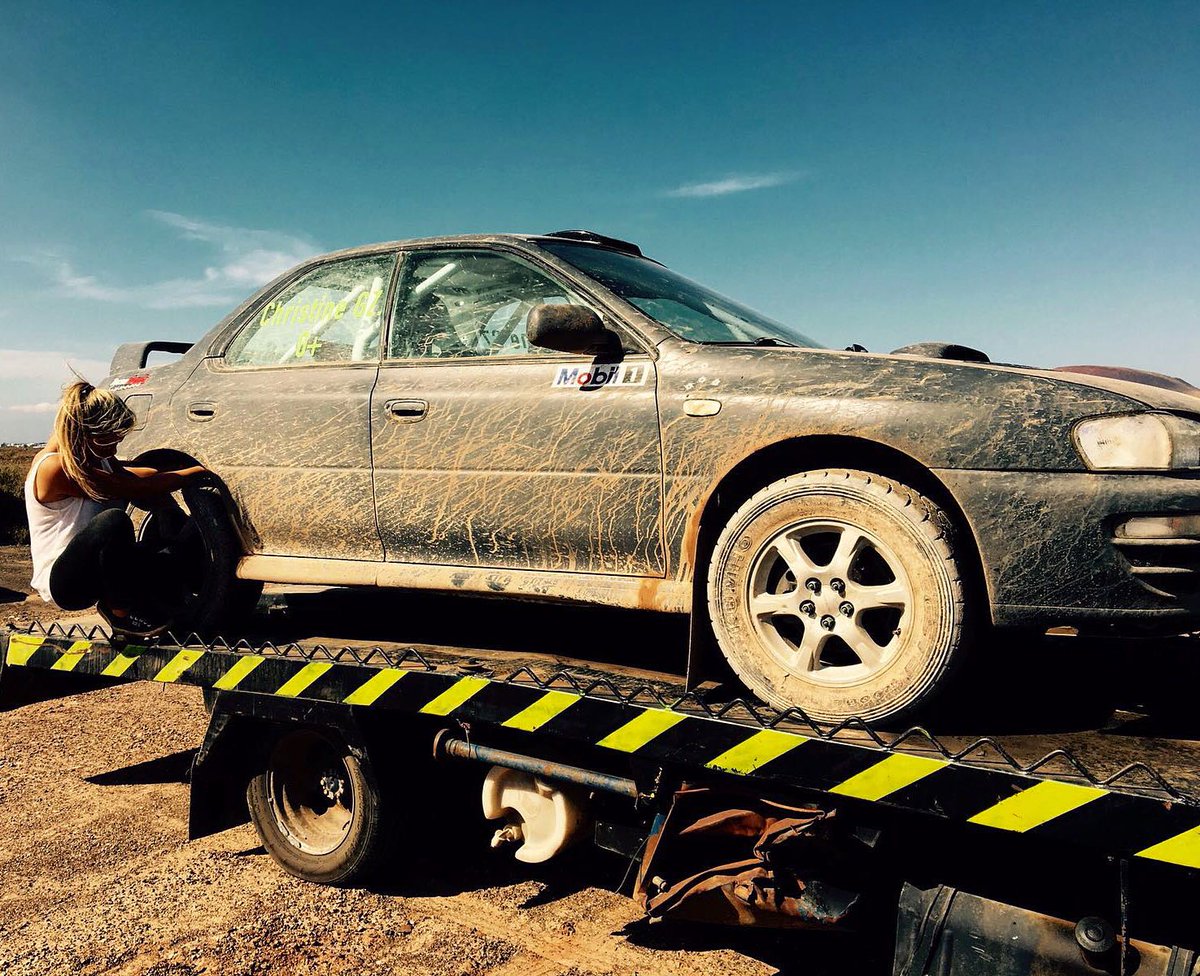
(591, 237)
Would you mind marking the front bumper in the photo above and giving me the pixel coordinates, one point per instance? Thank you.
(1053, 554)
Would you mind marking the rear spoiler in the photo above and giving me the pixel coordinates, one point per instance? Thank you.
(132, 356)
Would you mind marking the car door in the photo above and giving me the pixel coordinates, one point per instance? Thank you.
(282, 414)
(491, 453)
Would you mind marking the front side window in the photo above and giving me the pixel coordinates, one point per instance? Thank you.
(469, 303)
(333, 314)
(688, 309)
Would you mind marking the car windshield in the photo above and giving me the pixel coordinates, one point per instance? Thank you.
(688, 309)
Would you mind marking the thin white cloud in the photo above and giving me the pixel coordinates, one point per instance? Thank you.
(736, 183)
(32, 408)
(31, 381)
(43, 366)
(247, 258)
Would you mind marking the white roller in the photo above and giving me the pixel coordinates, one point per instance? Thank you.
(545, 818)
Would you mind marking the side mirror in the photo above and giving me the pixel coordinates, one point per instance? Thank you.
(570, 328)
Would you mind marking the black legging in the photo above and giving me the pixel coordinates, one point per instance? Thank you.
(105, 563)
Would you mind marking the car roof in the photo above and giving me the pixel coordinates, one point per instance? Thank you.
(587, 237)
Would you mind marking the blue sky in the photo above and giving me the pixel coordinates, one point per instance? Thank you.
(1018, 177)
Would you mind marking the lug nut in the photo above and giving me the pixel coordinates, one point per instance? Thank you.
(838, 586)
(813, 585)
(828, 622)
(808, 608)
(1095, 936)
(846, 609)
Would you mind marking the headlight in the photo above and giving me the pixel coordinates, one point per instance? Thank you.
(1143, 441)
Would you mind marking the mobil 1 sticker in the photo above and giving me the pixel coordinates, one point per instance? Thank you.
(596, 375)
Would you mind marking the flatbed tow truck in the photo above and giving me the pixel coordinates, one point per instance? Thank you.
(728, 810)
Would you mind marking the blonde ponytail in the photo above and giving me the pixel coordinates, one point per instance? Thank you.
(87, 412)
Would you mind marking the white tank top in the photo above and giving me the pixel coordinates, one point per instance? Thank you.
(52, 525)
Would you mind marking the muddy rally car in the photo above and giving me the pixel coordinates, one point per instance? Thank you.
(558, 417)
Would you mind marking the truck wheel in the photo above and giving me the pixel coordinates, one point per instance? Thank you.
(197, 530)
(839, 592)
(317, 810)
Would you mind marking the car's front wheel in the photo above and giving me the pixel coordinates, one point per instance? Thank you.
(839, 592)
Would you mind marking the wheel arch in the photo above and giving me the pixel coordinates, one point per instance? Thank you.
(164, 456)
(790, 456)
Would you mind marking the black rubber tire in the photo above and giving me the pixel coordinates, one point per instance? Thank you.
(920, 535)
(366, 839)
(218, 600)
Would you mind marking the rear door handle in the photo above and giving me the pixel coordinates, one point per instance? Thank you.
(406, 411)
(200, 412)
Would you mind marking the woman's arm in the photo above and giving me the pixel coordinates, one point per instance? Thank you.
(139, 484)
(130, 484)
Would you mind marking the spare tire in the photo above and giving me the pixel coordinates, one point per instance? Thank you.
(196, 529)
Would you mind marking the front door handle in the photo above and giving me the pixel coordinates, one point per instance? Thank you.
(201, 412)
(406, 411)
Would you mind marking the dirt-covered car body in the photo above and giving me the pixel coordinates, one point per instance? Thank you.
(605, 478)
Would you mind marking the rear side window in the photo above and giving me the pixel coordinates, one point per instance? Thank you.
(333, 314)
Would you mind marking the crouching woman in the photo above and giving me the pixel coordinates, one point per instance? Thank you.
(82, 541)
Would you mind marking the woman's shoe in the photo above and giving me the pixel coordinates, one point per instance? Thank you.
(135, 624)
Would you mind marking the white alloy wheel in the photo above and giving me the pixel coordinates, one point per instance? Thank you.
(829, 600)
(838, 592)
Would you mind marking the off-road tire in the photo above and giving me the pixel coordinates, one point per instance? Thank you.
(366, 839)
(220, 600)
(917, 531)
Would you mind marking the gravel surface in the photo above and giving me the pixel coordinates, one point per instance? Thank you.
(96, 874)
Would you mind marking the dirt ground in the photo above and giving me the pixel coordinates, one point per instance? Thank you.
(96, 874)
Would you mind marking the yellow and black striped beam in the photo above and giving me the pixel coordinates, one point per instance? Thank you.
(1117, 822)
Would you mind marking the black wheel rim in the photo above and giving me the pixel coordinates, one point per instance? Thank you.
(311, 794)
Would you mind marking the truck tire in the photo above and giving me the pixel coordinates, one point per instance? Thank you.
(317, 809)
(197, 529)
(839, 592)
